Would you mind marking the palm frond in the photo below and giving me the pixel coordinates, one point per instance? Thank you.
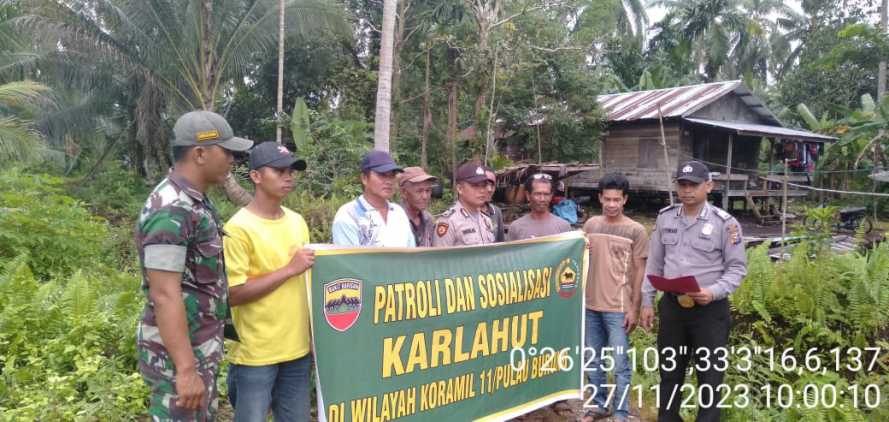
(19, 142)
(21, 94)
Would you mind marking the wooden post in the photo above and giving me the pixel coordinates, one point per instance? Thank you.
(784, 210)
(771, 160)
(660, 118)
(728, 172)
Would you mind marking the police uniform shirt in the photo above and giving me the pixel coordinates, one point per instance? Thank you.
(708, 247)
(458, 226)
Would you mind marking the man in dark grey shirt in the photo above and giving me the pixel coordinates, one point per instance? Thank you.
(539, 222)
(492, 211)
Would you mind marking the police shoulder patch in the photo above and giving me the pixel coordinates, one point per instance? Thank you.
(441, 229)
(667, 208)
(724, 215)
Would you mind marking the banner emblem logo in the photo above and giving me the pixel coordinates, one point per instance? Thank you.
(342, 303)
(566, 278)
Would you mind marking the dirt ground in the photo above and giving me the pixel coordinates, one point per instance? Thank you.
(567, 411)
(571, 410)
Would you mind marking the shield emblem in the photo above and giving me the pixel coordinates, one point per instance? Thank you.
(566, 278)
(342, 303)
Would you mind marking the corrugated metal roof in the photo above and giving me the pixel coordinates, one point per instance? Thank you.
(680, 101)
(764, 130)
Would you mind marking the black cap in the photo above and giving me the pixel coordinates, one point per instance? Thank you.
(379, 162)
(693, 171)
(272, 154)
(471, 172)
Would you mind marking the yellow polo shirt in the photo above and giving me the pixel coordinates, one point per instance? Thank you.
(275, 328)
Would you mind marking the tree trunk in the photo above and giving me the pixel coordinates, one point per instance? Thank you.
(207, 57)
(452, 127)
(489, 131)
(881, 77)
(384, 87)
(234, 192)
(453, 87)
(486, 14)
(398, 43)
(279, 135)
(427, 115)
(149, 130)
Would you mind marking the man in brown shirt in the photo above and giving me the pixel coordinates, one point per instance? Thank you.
(538, 222)
(416, 192)
(618, 248)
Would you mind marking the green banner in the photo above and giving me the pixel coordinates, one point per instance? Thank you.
(470, 333)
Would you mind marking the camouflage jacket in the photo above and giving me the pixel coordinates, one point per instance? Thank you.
(180, 231)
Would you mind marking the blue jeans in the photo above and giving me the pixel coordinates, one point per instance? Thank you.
(605, 329)
(284, 387)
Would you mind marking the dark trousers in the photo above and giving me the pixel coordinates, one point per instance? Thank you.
(688, 330)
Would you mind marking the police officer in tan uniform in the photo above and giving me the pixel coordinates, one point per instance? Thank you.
(465, 223)
(700, 240)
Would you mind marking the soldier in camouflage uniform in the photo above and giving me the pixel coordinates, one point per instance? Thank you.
(179, 237)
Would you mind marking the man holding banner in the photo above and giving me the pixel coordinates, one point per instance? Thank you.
(540, 221)
(267, 261)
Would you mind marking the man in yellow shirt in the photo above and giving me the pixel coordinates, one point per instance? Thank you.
(266, 263)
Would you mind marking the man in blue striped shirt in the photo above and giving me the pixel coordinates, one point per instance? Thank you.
(370, 219)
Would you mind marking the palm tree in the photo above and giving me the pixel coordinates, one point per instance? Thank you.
(788, 43)
(634, 11)
(171, 55)
(280, 106)
(384, 87)
(726, 38)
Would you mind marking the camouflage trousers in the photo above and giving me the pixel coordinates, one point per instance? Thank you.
(163, 397)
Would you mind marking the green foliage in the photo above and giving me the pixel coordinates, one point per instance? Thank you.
(114, 192)
(333, 154)
(67, 317)
(299, 123)
(317, 211)
(67, 345)
(821, 301)
(18, 139)
(56, 231)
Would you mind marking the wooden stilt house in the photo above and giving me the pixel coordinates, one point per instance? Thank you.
(722, 124)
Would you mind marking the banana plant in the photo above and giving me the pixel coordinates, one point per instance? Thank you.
(870, 123)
